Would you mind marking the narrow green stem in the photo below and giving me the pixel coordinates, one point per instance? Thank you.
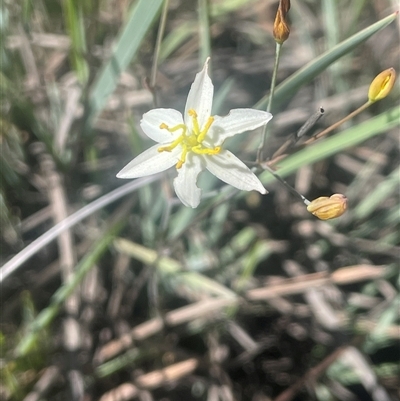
(288, 186)
(160, 34)
(269, 105)
(274, 75)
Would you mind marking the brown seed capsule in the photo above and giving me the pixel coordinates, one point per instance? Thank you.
(382, 85)
(328, 208)
(281, 28)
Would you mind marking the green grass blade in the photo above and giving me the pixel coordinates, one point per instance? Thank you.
(303, 76)
(127, 45)
(220, 8)
(382, 191)
(172, 268)
(176, 38)
(47, 315)
(75, 24)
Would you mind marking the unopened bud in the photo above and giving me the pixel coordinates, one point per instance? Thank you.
(281, 28)
(382, 85)
(328, 208)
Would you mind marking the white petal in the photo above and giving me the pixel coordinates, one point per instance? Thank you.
(151, 121)
(228, 168)
(151, 161)
(200, 97)
(185, 183)
(236, 122)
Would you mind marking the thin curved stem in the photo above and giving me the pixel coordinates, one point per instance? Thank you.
(334, 126)
(14, 263)
(154, 67)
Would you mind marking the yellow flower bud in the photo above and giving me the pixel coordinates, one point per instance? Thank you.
(328, 208)
(281, 28)
(382, 85)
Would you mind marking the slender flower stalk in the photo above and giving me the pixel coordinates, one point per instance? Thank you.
(193, 142)
(291, 141)
(261, 147)
(325, 208)
(337, 124)
(380, 87)
(288, 186)
(154, 67)
(280, 32)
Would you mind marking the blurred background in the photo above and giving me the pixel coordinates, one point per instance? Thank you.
(113, 290)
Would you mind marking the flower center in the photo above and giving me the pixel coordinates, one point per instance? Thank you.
(190, 141)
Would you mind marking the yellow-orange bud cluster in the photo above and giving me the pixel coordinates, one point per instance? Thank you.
(382, 85)
(328, 208)
(281, 28)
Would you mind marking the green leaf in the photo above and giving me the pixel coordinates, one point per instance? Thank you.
(381, 192)
(74, 21)
(127, 45)
(176, 38)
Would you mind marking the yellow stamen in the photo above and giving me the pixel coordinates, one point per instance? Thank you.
(173, 145)
(182, 159)
(206, 151)
(192, 113)
(192, 142)
(203, 133)
(173, 129)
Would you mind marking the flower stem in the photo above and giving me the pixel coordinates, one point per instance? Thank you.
(289, 187)
(279, 155)
(334, 126)
(270, 99)
(154, 67)
(293, 139)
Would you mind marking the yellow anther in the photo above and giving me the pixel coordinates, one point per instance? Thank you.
(173, 129)
(164, 149)
(192, 113)
(183, 157)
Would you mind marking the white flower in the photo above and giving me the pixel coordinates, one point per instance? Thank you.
(193, 143)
